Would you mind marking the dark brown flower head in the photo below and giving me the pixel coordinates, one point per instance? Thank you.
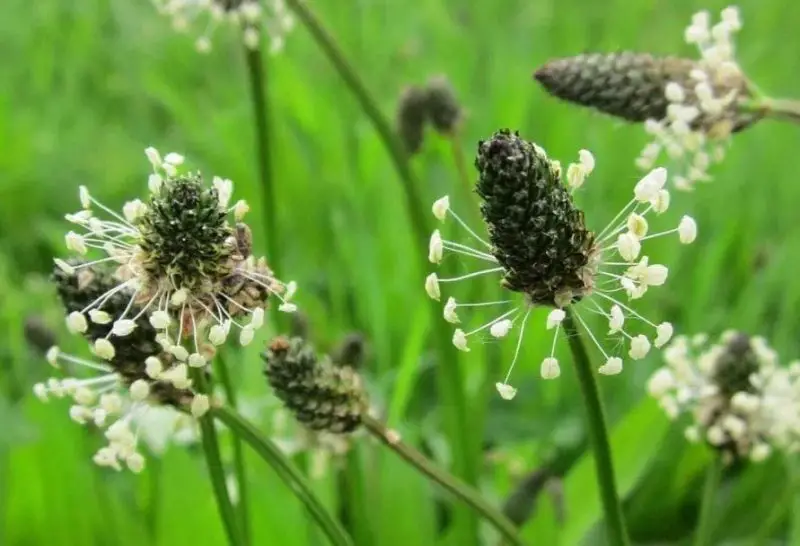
(632, 86)
(537, 233)
(411, 117)
(321, 395)
(444, 111)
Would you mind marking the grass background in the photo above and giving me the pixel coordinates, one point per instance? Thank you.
(86, 86)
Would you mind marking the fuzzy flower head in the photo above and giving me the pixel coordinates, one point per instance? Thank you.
(182, 260)
(254, 17)
(702, 103)
(117, 388)
(739, 400)
(542, 250)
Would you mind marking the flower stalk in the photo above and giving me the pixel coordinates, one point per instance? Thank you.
(456, 487)
(242, 507)
(259, 93)
(272, 455)
(210, 442)
(598, 436)
(704, 530)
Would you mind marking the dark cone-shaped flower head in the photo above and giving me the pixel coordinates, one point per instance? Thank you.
(412, 114)
(735, 365)
(443, 108)
(633, 86)
(185, 234)
(321, 395)
(350, 351)
(537, 233)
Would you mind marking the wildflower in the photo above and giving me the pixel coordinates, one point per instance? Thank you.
(115, 392)
(739, 399)
(178, 261)
(254, 17)
(443, 108)
(411, 117)
(321, 395)
(689, 107)
(540, 246)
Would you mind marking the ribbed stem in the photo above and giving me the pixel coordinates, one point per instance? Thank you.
(702, 535)
(272, 455)
(210, 443)
(459, 489)
(598, 436)
(257, 75)
(242, 507)
(450, 383)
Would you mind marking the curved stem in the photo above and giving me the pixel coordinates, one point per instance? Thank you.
(702, 535)
(210, 443)
(459, 489)
(257, 76)
(287, 472)
(598, 436)
(399, 157)
(242, 506)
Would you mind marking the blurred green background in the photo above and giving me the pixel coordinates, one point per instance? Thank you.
(85, 86)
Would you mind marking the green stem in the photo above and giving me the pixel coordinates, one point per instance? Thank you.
(449, 378)
(702, 535)
(460, 161)
(399, 157)
(155, 476)
(287, 472)
(459, 489)
(258, 93)
(781, 109)
(598, 436)
(242, 507)
(210, 443)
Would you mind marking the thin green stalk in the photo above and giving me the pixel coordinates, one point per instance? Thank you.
(702, 535)
(257, 75)
(460, 162)
(781, 109)
(598, 436)
(328, 44)
(459, 489)
(450, 382)
(210, 443)
(242, 507)
(288, 473)
(155, 476)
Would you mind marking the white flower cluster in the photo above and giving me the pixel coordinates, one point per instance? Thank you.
(617, 266)
(107, 402)
(183, 317)
(743, 416)
(692, 145)
(254, 17)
